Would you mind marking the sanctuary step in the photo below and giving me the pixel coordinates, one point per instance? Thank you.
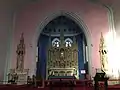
(80, 85)
(25, 87)
(69, 81)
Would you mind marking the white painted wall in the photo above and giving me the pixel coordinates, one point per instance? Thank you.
(8, 8)
(6, 25)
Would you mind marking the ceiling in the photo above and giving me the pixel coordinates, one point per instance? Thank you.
(16, 4)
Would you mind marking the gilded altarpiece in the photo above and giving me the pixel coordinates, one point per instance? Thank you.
(62, 60)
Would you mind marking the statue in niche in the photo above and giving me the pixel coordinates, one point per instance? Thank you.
(103, 54)
(62, 53)
(20, 54)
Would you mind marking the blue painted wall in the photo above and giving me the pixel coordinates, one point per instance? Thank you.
(42, 55)
(80, 55)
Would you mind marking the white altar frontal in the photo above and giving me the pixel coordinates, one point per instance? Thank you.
(20, 77)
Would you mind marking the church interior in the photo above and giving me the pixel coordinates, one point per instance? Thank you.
(60, 44)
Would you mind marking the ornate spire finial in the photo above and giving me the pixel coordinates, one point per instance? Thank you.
(22, 37)
(101, 38)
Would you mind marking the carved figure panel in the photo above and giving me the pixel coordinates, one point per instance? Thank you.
(61, 59)
(103, 54)
(20, 54)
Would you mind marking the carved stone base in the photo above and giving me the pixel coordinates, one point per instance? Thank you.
(21, 76)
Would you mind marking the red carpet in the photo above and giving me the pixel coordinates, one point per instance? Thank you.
(24, 87)
(80, 85)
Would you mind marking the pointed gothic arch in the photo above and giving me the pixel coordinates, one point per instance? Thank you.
(78, 21)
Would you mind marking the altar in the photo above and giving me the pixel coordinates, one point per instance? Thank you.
(62, 58)
(19, 74)
(62, 72)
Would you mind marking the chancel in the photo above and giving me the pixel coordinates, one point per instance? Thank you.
(62, 49)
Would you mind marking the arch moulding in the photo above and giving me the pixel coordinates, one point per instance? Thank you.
(77, 20)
